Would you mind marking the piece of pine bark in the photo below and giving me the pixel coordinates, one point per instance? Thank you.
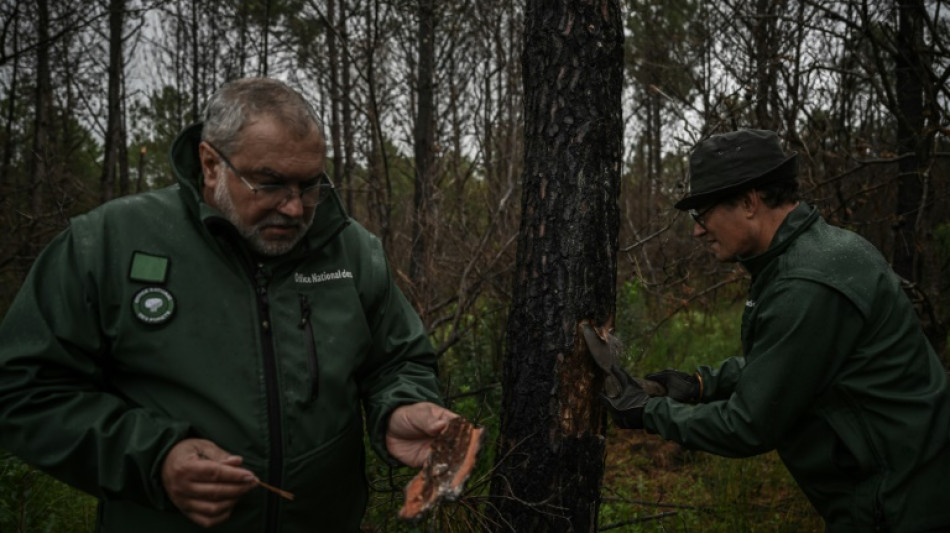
(443, 475)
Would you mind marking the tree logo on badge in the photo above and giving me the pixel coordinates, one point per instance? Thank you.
(153, 305)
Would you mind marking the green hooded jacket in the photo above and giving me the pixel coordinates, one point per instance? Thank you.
(838, 377)
(147, 321)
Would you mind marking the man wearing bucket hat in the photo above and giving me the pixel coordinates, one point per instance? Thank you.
(836, 374)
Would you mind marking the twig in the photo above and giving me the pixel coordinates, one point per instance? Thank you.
(283, 493)
(615, 525)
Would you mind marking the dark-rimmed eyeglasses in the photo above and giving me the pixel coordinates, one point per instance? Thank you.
(274, 195)
(700, 216)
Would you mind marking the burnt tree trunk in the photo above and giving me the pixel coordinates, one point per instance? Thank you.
(550, 454)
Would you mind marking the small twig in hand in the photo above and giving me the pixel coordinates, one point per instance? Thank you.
(283, 493)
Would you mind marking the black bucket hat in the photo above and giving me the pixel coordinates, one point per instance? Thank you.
(727, 163)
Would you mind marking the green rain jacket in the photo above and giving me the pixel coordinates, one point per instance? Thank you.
(838, 377)
(147, 321)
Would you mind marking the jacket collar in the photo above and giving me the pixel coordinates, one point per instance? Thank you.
(330, 217)
(797, 221)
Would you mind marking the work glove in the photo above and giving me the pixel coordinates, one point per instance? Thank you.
(680, 386)
(625, 399)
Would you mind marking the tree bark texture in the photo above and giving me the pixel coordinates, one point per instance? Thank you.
(550, 455)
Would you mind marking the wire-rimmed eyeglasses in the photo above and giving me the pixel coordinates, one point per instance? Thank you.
(311, 191)
(700, 216)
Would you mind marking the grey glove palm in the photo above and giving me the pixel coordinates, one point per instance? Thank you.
(625, 399)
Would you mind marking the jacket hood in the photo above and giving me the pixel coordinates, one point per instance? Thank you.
(185, 163)
(797, 221)
(329, 219)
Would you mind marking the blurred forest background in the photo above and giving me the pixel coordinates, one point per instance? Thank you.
(423, 106)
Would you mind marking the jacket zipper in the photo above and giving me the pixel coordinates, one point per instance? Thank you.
(312, 362)
(275, 460)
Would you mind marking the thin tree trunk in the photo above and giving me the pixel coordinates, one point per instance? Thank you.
(122, 148)
(760, 35)
(9, 144)
(550, 453)
(265, 31)
(333, 61)
(424, 140)
(242, 45)
(379, 175)
(113, 139)
(349, 161)
(910, 139)
(914, 138)
(140, 178)
(179, 62)
(44, 110)
(195, 62)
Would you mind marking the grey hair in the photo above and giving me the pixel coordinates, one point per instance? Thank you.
(235, 104)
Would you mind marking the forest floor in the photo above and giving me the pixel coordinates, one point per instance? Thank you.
(654, 485)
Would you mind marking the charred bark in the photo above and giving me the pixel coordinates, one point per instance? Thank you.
(550, 454)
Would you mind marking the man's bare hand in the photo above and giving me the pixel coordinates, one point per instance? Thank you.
(411, 431)
(204, 481)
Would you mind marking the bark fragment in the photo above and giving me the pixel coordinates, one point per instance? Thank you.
(445, 471)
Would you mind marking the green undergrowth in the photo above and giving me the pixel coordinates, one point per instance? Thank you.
(33, 502)
(652, 486)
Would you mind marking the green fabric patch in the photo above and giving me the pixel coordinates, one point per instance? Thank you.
(148, 268)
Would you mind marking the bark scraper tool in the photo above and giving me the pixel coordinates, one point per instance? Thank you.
(605, 349)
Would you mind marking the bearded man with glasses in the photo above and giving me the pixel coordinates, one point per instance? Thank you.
(835, 372)
(172, 351)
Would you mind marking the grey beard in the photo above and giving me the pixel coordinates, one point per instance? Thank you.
(252, 233)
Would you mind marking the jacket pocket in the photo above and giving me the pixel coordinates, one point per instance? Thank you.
(858, 460)
(329, 485)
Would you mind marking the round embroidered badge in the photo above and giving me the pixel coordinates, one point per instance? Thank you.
(153, 305)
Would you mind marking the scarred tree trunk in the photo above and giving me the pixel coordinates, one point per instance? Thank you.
(550, 454)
